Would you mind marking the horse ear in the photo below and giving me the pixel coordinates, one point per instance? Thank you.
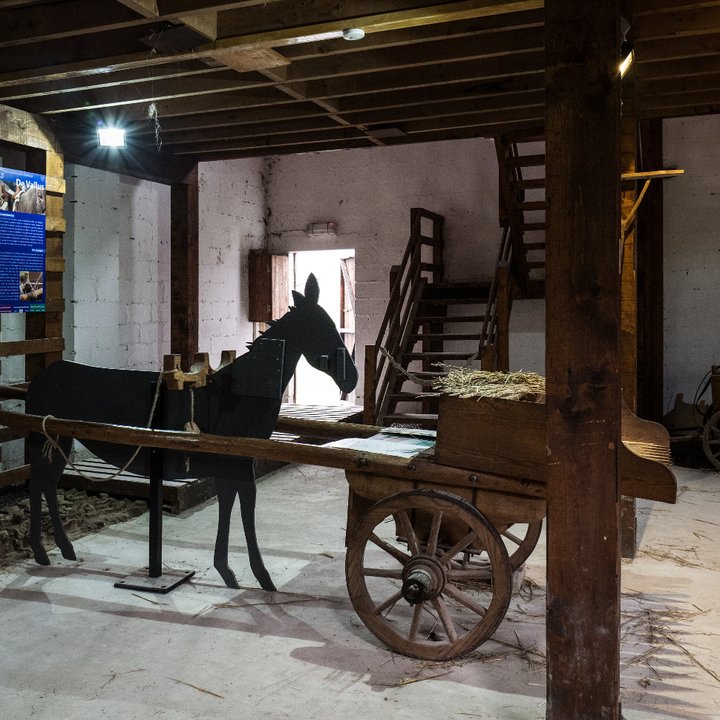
(298, 298)
(312, 290)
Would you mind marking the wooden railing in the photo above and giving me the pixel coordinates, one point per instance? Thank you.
(410, 277)
(492, 348)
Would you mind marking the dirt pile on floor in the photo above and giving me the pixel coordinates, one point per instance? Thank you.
(82, 513)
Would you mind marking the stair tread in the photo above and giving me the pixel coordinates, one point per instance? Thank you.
(477, 300)
(437, 355)
(526, 160)
(451, 318)
(449, 337)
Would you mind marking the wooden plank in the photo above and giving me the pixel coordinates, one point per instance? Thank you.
(412, 470)
(184, 263)
(506, 437)
(39, 346)
(582, 359)
(16, 476)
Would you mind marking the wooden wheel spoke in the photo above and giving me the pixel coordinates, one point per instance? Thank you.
(434, 533)
(477, 572)
(395, 574)
(464, 599)
(415, 624)
(445, 618)
(395, 552)
(512, 537)
(458, 547)
(387, 604)
(408, 532)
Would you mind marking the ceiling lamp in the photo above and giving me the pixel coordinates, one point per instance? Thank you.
(353, 33)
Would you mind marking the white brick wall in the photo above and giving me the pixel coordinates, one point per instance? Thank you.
(692, 254)
(117, 283)
(232, 211)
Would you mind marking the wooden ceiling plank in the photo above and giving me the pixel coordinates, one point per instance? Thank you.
(476, 28)
(96, 82)
(703, 21)
(485, 70)
(497, 44)
(380, 22)
(681, 86)
(670, 69)
(37, 24)
(493, 68)
(680, 48)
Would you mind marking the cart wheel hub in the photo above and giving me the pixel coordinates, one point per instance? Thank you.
(423, 579)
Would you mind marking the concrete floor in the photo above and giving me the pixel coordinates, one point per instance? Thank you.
(73, 646)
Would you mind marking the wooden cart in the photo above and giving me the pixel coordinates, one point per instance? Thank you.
(711, 425)
(429, 562)
(432, 537)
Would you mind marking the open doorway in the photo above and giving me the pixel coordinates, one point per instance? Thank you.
(335, 273)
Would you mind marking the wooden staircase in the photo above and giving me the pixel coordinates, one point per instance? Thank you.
(428, 323)
(521, 173)
(431, 323)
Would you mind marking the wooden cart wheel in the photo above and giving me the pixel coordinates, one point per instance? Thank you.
(520, 540)
(711, 439)
(419, 597)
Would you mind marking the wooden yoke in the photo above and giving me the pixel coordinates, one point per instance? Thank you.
(176, 379)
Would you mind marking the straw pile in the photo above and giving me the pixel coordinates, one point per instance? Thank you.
(469, 383)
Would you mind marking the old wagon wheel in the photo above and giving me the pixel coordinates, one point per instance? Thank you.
(520, 540)
(416, 593)
(711, 439)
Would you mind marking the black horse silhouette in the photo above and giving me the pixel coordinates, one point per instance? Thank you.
(241, 399)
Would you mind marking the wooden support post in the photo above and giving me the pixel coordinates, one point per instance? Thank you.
(369, 385)
(650, 280)
(503, 317)
(582, 45)
(628, 307)
(184, 268)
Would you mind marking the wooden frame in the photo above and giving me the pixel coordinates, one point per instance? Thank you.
(43, 342)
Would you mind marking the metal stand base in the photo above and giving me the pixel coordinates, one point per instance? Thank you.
(164, 583)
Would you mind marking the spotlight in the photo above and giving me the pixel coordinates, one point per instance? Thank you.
(627, 53)
(111, 137)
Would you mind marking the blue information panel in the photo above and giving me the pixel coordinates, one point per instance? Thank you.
(22, 241)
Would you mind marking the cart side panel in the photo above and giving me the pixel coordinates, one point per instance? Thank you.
(506, 437)
(499, 507)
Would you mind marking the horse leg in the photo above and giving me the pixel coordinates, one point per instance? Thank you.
(226, 499)
(44, 477)
(246, 493)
